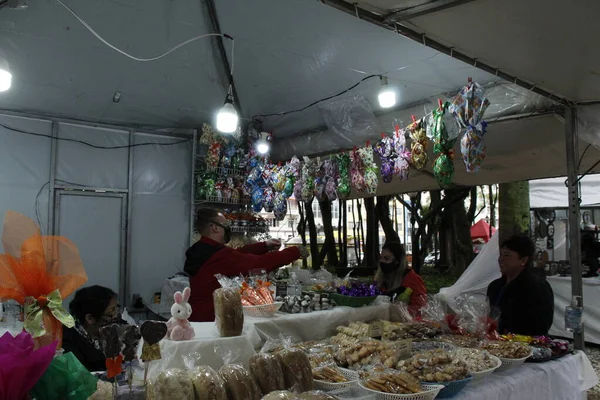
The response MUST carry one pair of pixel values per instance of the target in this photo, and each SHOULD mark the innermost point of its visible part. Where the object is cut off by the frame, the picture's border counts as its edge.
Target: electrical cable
(318, 101)
(95, 146)
(97, 35)
(180, 45)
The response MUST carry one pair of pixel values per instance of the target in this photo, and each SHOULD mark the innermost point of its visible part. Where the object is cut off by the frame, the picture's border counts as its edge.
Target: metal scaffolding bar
(424, 9)
(572, 142)
(425, 40)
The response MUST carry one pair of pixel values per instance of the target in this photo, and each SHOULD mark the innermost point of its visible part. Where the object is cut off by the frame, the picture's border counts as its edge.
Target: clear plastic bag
(281, 395)
(267, 372)
(229, 314)
(208, 385)
(173, 384)
(237, 380)
(297, 371)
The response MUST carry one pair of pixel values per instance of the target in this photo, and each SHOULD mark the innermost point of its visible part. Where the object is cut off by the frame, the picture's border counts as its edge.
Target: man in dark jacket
(209, 256)
(523, 297)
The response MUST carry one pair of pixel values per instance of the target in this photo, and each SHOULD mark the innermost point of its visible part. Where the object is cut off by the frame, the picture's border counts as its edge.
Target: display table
(302, 327)
(591, 314)
(564, 379)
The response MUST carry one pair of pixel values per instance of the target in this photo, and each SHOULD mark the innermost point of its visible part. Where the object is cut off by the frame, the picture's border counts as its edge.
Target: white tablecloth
(591, 313)
(564, 379)
(302, 327)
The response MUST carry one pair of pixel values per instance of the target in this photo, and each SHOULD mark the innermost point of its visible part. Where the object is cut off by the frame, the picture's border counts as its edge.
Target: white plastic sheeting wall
(159, 220)
(24, 167)
(160, 212)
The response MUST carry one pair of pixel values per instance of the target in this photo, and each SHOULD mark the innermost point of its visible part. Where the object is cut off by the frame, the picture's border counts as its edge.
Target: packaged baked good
(238, 382)
(316, 395)
(367, 352)
(208, 385)
(476, 360)
(328, 373)
(229, 314)
(435, 366)
(296, 370)
(512, 350)
(267, 372)
(281, 395)
(394, 382)
(173, 384)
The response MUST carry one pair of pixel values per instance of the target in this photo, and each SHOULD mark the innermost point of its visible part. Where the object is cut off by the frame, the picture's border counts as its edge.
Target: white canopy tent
(289, 54)
(553, 192)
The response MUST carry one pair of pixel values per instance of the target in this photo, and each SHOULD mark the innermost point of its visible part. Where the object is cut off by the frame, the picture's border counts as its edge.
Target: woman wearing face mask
(396, 279)
(93, 307)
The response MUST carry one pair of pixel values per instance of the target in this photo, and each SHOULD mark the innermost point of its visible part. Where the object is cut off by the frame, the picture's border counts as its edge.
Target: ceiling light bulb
(5, 76)
(387, 97)
(262, 146)
(227, 118)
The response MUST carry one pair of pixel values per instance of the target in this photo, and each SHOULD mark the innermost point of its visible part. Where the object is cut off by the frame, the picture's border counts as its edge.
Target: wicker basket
(430, 392)
(350, 301)
(450, 388)
(262, 311)
(512, 363)
(478, 376)
(352, 377)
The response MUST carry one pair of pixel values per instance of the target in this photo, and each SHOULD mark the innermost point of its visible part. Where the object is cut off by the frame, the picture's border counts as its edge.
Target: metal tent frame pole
(572, 139)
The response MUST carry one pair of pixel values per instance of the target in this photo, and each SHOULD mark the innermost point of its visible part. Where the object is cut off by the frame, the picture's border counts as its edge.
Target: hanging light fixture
(5, 75)
(262, 146)
(387, 97)
(227, 118)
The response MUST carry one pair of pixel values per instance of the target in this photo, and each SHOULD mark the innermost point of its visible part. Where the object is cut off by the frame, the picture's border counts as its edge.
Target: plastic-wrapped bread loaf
(297, 372)
(239, 384)
(281, 395)
(229, 315)
(267, 372)
(207, 384)
(316, 396)
(173, 384)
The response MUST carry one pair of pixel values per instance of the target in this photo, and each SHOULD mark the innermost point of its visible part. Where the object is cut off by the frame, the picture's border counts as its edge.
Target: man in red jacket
(210, 256)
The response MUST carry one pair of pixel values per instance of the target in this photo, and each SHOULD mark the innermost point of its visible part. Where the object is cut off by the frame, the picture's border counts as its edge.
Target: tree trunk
(372, 239)
(329, 248)
(514, 209)
(312, 230)
(492, 206)
(462, 253)
(383, 214)
(472, 213)
(302, 231)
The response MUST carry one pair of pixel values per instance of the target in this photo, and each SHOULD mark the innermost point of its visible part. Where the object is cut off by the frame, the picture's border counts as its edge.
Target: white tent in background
(553, 193)
(476, 278)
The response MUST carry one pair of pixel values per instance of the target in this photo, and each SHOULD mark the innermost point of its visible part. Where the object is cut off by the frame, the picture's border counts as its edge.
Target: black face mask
(227, 229)
(386, 268)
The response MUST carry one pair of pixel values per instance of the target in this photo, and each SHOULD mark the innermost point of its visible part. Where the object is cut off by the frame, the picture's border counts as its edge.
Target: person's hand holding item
(273, 244)
(304, 253)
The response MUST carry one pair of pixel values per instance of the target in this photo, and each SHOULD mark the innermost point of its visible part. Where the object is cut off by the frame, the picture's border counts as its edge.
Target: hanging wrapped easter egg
(344, 186)
(269, 199)
(280, 207)
(257, 199)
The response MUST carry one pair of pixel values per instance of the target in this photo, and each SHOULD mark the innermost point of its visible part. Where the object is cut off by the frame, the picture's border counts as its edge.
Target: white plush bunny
(179, 328)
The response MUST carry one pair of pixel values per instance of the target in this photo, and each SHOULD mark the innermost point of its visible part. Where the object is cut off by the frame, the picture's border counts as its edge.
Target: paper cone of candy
(38, 272)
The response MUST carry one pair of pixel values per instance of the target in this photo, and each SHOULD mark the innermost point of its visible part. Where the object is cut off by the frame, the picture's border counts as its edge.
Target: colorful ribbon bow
(34, 311)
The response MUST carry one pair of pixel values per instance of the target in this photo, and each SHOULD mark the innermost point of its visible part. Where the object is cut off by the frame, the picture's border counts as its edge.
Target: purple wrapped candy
(359, 290)
(257, 199)
(298, 189)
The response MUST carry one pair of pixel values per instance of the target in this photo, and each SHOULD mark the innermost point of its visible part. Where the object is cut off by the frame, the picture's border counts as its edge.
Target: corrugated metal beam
(425, 40)
(423, 9)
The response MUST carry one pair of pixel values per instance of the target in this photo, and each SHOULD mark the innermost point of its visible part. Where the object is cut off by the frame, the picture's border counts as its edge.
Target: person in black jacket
(524, 298)
(92, 308)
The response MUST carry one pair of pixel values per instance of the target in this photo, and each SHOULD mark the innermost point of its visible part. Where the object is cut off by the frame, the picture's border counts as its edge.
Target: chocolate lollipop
(152, 333)
(112, 346)
(130, 338)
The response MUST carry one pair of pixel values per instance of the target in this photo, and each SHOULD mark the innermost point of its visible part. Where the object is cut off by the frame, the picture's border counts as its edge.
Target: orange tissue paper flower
(38, 272)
